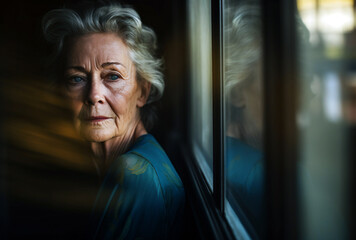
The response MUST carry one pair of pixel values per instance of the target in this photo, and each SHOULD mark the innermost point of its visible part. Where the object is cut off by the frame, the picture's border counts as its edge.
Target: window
(279, 108)
(226, 108)
(243, 116)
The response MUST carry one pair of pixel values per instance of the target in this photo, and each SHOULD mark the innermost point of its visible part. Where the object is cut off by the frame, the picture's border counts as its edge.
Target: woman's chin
(96, 135)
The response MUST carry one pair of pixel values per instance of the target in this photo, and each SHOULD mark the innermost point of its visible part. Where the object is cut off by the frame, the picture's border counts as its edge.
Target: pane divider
(219, 191)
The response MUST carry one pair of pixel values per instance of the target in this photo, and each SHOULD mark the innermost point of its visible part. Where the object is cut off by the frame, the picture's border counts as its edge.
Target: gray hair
(61, 24)
(243, 55)
(243, 47)
(244, 42)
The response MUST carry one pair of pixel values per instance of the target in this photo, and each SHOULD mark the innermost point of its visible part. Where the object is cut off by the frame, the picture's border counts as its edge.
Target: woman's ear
(145, 92)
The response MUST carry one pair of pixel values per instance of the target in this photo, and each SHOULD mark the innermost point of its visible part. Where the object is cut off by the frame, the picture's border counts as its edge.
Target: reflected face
(253, 113)
(253, 95)
(248, 125)
(101, 86)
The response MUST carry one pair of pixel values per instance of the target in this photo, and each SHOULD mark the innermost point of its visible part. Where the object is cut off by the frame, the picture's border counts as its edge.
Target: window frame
(280, 138)
(280, 105)
(242, 228)
(219, 180)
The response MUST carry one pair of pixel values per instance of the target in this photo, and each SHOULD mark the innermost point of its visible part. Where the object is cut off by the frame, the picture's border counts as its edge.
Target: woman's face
(101, 86)
(253, 110)
(248, 125)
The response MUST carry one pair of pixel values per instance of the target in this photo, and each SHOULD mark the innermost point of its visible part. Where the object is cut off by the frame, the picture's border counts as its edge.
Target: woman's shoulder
(148, 151)
(147, 175)
(147, 160)
(137, 197)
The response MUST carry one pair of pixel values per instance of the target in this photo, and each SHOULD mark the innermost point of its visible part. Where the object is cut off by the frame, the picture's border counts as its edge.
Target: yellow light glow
(327, 16)
(310, 4)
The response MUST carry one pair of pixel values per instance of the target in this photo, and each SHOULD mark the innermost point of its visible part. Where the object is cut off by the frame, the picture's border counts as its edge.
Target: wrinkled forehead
(97, 48)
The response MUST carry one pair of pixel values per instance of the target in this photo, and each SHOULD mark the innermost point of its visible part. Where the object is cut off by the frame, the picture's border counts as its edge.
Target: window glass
(201, 81)
(327, 59)
(243, 112)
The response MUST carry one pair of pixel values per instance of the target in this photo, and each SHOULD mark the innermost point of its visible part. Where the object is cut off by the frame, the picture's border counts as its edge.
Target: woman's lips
(96, 119)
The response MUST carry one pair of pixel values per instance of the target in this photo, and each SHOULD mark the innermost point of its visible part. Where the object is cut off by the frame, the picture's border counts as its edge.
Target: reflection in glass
(244, 112)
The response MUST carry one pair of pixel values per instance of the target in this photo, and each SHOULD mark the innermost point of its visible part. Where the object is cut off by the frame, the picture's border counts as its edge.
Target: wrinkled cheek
(132, 112)
(123, 104)
(124, 118)
(122, 121)
(118, 123)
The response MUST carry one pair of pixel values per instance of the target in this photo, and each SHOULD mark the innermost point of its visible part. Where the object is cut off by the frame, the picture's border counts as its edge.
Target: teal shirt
(245, 179)
(142, 196)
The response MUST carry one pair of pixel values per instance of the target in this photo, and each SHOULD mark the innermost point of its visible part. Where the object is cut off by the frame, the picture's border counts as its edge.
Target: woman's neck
(105, 152)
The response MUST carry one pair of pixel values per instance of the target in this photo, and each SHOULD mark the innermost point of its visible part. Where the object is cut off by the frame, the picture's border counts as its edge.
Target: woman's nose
(95, 93)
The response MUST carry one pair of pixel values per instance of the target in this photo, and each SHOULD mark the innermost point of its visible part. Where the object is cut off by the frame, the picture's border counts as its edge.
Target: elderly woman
(244, 130)
(243, 83)
(107, 69)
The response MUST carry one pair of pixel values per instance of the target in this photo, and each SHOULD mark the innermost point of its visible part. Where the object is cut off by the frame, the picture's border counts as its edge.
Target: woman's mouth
(95, 119)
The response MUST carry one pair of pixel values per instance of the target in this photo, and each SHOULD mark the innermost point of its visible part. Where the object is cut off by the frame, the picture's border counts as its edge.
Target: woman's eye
(113, 77)
(76, 79)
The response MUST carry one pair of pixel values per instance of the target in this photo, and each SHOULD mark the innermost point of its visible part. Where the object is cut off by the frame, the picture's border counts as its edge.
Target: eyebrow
(79, 68)
(111, 63)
